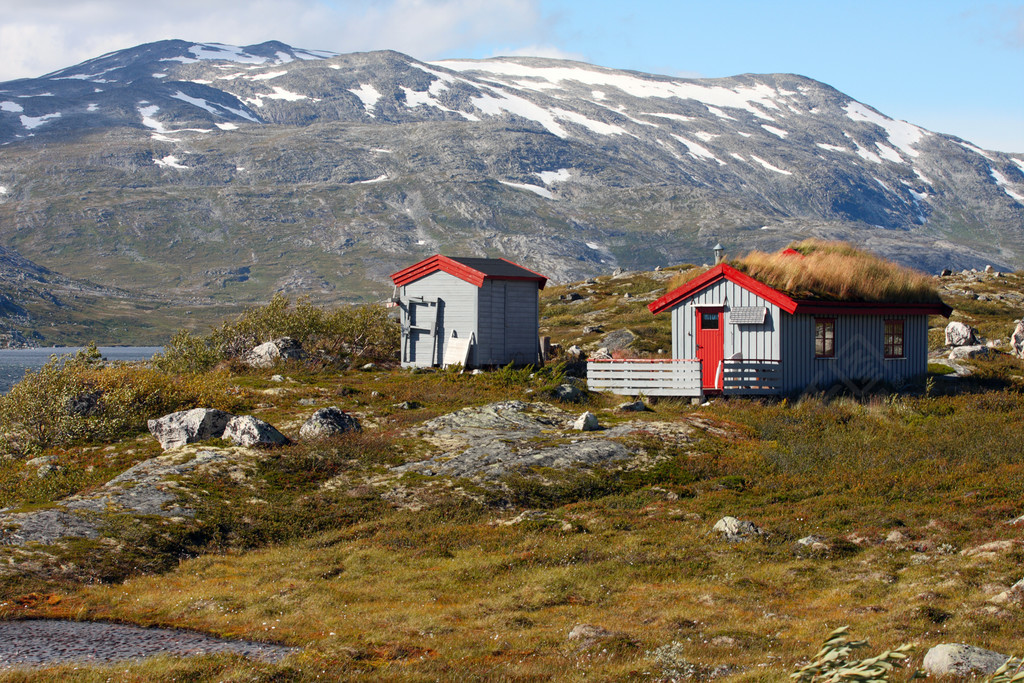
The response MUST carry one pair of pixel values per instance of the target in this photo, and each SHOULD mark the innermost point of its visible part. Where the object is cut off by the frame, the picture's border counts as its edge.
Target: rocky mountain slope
(229, 173)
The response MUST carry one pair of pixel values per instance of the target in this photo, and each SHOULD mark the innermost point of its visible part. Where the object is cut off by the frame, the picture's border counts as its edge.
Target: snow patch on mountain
(226, 125)
(424, 98)
(195, 101)
(92, 107)
(230, 53)
(170, 161)
(901, 134)
(267, 76)
(831, 148)
(367, 94)
(279, 93)
(562, 175)
(542, 191)
(1019, 163)
(741, 97)
(30, 122)
(12, 107)
(598, 127)
(769, 166)
(518, 106)
(1002, 182)
(975, 149)
(378, 179)
(696, 150)
(674, 117)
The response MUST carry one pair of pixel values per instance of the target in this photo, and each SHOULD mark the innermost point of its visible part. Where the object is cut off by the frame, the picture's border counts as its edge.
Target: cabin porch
(685, 377)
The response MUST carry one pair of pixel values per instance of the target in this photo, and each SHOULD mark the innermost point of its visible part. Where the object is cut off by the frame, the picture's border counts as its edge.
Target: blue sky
(951, 66)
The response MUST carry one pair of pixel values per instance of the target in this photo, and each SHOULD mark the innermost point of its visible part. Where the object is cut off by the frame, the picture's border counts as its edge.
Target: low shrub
(80, 399)
(364, 332)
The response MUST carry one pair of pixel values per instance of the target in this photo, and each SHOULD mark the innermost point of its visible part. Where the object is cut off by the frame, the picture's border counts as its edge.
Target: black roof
(497, 268)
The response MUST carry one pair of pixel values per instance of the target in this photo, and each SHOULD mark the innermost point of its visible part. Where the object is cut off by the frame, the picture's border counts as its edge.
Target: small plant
(1010, 672)
(833, 664)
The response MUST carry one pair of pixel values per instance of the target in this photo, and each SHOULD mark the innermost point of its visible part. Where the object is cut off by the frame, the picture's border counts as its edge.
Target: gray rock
(328, 422)
(269, 354)
(46, 527)
(966, 352)
(989, 269)
(44, 465)
(592, 329)
(1017, 340)
(276, 378)
(246, 430)
(368, 367)
(619, 340)
(735, 530)
(567, 392)
(492, 441)
(407, 405)
(958, 659)
(587, 422)
(188, 426)
(1015, 594)
(959, 334)
(637, 406)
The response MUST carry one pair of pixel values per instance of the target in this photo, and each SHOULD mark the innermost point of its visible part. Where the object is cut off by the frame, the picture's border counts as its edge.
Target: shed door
(710, 345)
(422, 339)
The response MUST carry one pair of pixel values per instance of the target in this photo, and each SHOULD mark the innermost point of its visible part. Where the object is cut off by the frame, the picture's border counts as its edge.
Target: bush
(365, 332)
(79, 398)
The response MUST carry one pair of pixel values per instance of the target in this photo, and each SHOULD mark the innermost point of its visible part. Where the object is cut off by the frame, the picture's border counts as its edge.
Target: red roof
(472, 270)
(726, 272)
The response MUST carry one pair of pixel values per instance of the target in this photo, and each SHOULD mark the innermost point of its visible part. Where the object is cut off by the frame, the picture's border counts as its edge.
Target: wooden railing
(650, 377)
(748, 377)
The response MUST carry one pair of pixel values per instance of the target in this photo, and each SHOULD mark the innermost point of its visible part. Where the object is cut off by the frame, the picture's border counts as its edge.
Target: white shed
(474, 311)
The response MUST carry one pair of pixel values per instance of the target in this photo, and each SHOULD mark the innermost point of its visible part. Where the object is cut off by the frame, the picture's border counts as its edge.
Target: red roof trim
(871, 308)
(437, 262)
(722, 271)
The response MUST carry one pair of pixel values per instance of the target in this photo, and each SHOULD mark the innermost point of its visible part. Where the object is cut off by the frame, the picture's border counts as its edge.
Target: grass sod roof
(818, 270)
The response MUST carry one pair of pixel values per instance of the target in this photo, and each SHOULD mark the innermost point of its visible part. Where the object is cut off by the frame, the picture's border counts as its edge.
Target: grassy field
(419, 578)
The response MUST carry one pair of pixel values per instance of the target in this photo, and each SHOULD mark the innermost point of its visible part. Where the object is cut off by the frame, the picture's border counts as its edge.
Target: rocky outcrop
(490, 442)
(188, 426)
(960, 334)
(956, 659)
(968, 352)
(736, 530)
(269, 354)
(1017, 340)
(328, 422)
(246, 430)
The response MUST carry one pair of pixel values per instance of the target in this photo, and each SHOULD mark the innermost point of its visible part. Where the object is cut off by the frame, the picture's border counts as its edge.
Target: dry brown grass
(838, 271)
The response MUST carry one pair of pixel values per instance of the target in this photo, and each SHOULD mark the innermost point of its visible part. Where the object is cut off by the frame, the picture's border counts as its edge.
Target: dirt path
(36, 642)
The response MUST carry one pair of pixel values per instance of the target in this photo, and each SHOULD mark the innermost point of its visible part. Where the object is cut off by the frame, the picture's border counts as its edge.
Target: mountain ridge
(321, 173)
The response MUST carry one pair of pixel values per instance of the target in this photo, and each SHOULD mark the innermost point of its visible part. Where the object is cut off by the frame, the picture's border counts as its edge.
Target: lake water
(14, 362)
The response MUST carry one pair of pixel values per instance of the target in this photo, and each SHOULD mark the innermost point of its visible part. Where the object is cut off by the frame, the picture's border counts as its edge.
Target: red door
(711, 346)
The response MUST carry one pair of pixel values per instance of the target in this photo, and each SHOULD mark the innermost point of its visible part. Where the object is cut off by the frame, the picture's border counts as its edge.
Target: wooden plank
(456, 351)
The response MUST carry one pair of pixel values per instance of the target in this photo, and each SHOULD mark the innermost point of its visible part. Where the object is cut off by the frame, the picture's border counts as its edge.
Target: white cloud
(548, 51)
(46, 35)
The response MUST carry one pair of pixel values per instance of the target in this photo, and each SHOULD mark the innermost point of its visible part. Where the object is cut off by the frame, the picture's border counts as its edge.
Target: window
(824, 338)
(894, 339)
(709, 321)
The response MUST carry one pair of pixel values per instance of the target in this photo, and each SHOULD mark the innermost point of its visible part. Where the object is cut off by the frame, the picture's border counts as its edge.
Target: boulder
(587, 422)
(637, 406)
(1015, 594)
(959, 334)
(328, 422)
(619, 340)
(567, 392)
(946, 272)
(966, 352)
(1017, 340)
(735, 530)
(246, 430)
(957, 659)
(188, 426)
(268, 355)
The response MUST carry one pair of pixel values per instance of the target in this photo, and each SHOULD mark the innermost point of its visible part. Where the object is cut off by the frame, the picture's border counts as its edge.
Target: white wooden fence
(661, 377)
(650, 377)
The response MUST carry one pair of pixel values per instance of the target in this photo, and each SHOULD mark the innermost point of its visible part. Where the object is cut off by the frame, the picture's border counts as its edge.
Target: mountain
(224, 173)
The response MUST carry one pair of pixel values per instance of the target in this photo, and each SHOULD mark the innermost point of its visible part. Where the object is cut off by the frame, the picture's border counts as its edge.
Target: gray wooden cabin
(447, 302)
(732, 334)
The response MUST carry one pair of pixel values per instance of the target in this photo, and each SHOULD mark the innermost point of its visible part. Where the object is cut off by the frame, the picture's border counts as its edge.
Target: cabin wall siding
(503, 315)
(751, 342)
(859, 361)
(458, 302)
